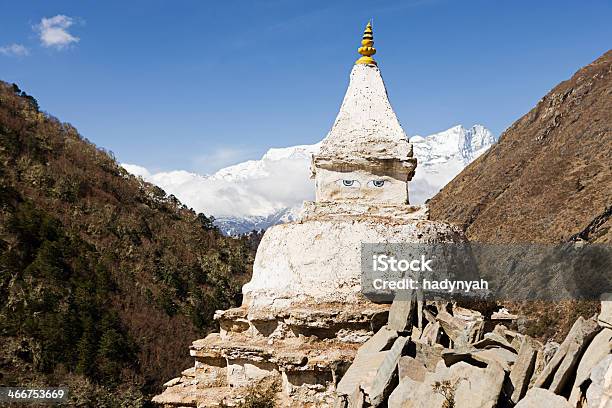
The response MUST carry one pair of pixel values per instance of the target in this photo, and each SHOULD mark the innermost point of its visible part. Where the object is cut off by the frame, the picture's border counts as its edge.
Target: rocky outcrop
(496, 369)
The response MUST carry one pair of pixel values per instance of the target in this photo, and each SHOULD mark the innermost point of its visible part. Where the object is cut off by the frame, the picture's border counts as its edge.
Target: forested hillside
(104, 279)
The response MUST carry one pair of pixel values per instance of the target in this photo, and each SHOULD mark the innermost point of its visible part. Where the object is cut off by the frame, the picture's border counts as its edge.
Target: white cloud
(251, 188)
(280, 179)
(16, 50)
(53, 31)
(137, 170)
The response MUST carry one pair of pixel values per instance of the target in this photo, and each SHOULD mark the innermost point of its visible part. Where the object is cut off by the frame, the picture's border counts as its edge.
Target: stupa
(303, 315)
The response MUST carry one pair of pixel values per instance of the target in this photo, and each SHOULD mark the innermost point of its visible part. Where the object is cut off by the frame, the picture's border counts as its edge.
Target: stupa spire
(367, 47)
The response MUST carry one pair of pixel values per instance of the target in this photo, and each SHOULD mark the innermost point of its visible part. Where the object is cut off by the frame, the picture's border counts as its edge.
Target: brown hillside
(549, 178)
(104, 279)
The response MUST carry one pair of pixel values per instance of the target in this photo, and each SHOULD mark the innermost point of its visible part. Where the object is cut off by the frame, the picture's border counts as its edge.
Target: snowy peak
(257, 194)
(456, 143)
(256, 169)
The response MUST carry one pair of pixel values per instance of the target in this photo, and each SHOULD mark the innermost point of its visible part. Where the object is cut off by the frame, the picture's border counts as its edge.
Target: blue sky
(198, 85)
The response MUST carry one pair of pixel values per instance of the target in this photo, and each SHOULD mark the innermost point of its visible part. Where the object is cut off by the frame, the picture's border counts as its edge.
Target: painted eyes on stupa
(376, 183)
(349, 183)
(356, 183)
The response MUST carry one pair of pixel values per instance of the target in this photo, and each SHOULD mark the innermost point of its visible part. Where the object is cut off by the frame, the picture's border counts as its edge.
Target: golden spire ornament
(367, 47)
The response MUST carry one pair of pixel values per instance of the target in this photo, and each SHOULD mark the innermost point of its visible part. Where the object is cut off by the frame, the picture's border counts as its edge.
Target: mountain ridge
(274, 187)
(549, 176)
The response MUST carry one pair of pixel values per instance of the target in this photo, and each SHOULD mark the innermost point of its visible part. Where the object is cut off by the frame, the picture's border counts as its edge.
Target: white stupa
(361, 176)
(303, 315)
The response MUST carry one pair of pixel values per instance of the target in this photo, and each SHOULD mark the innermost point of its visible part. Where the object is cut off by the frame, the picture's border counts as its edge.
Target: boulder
(523, 368)
(401, 311)
(505, 358)
(451, 357)
(605, 317)
(356, 400)
(466, 314)
(599, 393)
(481, 358)
(503, 331)
(361, 373)
(462, 385)
(549, 350)
(503, 314)
(408, 367)
(560, 368)
(599, 348)
(456, 329)
(385, 374)
(494, 340)
(476, 331)
(541, 398)
(431, 333)
(402, 393)
(429, 355)
(381, 341)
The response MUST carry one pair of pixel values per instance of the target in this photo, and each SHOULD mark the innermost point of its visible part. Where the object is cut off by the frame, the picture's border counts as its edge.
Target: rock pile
(443, 355)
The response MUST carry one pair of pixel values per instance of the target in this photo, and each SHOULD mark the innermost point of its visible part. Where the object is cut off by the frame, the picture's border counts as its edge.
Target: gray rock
(456, 329)
(599, 348)
(401, 311)
(451, 357)
(381, 386)
(506, 333)
(466, 385)
(420, 303)
(428, 316)
(402, 393)
(541, 398)
(431, 333)
(480, 358)
(361, 373)
(494, 340)
(382, 340)
(476, 331)
(560, 368)
(357, 399)
(599, 393)
(505, 358)
(605, 317)
(466, 314)
(429, 355)
(408, 367)
(523, 368)
(549, 351)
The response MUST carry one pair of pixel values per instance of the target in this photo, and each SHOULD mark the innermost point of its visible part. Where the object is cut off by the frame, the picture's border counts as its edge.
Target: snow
(443, 155)
(256, 194)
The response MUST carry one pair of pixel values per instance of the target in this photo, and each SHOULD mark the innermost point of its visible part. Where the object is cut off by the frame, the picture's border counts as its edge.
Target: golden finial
(367, 47)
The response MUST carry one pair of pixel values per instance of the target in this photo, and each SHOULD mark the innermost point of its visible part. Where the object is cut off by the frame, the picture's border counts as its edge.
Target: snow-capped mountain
(441, 156)
(241, 225)
(256, 194)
